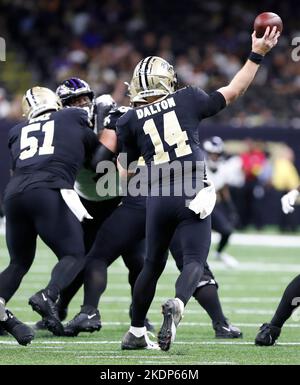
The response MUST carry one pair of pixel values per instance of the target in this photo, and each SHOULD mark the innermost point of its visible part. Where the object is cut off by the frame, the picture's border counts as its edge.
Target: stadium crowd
(102, 41)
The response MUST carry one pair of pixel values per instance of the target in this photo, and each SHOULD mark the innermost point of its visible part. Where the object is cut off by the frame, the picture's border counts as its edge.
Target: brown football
(266, 19)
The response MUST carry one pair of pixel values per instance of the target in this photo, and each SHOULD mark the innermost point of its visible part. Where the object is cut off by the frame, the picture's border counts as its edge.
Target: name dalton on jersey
(155, 108)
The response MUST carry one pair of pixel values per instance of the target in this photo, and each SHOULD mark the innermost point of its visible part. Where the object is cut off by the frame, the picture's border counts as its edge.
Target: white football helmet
(38, 100)
(153, 76)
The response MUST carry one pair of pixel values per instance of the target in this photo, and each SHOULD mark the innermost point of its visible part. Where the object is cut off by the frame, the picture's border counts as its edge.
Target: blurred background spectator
(101, 41)
(285, 178)
(207, 41)
(252, 192)
(261, 173)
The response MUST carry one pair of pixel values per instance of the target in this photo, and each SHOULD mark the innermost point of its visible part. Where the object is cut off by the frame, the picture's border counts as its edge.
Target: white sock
(138, 332)
(181, 305)
(3, 315)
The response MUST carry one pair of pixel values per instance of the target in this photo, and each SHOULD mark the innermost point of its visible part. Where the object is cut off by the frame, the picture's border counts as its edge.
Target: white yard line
(127, 299)
(188, 324)
(253, 239)
(198, 311)
(217, 343)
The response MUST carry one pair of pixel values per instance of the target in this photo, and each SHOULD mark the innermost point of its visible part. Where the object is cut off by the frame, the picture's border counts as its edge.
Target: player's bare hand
(264, 44)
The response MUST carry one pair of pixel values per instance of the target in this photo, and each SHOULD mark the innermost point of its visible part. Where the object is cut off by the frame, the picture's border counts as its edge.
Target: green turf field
(249, 295)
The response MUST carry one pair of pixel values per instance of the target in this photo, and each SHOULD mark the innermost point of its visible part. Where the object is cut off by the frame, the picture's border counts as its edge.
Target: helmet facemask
(72, 93)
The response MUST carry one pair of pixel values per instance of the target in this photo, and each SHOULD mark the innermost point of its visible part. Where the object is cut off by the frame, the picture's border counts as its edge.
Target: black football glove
(103, 105)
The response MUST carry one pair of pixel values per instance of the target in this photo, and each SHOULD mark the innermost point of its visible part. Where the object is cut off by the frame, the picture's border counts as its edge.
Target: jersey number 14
(30, 144)
(173, 135)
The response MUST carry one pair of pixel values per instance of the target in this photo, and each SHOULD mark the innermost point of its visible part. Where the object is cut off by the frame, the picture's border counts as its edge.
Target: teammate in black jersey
(123, 233)
(119, 233)
(47, 151)
(163, 128)
(75, 92)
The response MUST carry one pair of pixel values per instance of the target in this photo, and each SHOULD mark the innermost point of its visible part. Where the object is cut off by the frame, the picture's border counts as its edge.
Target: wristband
(255, 57)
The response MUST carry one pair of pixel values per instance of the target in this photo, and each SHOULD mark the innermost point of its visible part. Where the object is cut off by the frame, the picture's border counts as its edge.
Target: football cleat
(20, 331)
(131, 342)
(2, 331)
(43, 304)
(40, 325)
(172, 317)
(225, 330)
(267, 335)
(83, 322)
(62, 312)
(227, 259)
(62, 315)
(149, 326)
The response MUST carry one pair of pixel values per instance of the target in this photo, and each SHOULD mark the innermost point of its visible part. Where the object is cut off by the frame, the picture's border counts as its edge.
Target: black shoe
(2, 331)
(40, 325)
(149, 326)
(22, 333)
(131, 342)
(172, 316)
(43, 304)
(225, 330)
(83, 322)
(62, 312)
(267, 335)
(62, 315)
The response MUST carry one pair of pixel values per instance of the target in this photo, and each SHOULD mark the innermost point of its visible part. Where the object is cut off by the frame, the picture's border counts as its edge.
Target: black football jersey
(168, 130)
(48, 151)
(113, 116)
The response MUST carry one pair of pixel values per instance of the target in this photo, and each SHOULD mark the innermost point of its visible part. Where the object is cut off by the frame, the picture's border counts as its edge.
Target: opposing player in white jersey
(224, 214)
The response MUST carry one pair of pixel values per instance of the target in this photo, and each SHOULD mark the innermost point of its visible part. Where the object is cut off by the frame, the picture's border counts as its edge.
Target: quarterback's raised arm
(242, 80)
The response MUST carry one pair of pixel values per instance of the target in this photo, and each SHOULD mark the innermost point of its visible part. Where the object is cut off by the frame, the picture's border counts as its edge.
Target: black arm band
(255, 57)
(100, 154)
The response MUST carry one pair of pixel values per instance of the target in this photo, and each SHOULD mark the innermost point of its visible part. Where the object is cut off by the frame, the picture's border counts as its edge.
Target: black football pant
(222, 225)
(165, 215)
(206, 292)
(122, 233)
(41, 212)
(289, 302)
(99, 211)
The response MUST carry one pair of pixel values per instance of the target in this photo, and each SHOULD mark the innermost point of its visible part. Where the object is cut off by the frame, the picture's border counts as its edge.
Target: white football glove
(204, 202)
(288, 201)
(105, 100)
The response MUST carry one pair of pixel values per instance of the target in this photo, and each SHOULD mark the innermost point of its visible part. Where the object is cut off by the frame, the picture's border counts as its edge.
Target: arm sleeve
(208, 104)
(127, 146)
(11, 139)
(100, 154)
